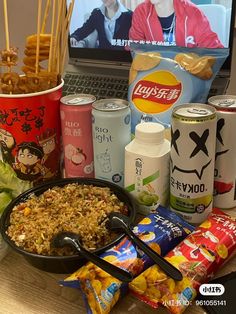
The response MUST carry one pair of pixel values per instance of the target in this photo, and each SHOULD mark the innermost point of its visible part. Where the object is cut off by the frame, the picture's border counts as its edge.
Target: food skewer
(8, 84)
(52, 37)
(58, 35)
(38, 36)
(33, 78)
(64, 34)
(6, 31)
(45, 16)
(6, 24)
(48, 77)
(40, 47)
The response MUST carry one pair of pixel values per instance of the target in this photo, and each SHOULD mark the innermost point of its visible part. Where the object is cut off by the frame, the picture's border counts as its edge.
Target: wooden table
(27, 290)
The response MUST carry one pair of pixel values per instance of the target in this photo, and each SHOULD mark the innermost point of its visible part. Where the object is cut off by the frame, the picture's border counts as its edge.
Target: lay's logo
(156, 92)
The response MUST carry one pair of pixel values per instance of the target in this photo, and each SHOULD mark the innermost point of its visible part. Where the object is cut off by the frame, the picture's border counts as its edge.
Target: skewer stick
(63, 14)
(45, 16)
(7, 35)
(38, 36)
(6, 24)
(67, 24)
(58, 34)
(52, 37)
(63, 30)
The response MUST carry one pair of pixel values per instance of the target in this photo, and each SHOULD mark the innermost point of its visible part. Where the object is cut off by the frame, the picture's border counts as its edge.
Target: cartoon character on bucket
(47, 140)
(28, 164)
(7, 144)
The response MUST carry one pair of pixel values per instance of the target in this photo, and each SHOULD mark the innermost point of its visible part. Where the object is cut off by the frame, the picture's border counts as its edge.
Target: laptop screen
(104, 29)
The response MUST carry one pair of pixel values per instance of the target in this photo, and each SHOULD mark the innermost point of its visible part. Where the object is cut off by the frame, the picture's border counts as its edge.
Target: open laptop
(104, 72)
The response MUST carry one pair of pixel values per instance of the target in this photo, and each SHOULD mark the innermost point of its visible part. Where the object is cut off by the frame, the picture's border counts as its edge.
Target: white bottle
(147, 160)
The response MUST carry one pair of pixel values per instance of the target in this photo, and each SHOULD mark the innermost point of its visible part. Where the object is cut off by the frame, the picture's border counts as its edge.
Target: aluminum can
(111, 133)
(225, 157)
(76, 124)
(193, 138)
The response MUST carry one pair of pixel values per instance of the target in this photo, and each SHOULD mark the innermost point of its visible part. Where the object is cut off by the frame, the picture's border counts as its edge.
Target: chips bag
(198, 258)
(162, 77)
(161, 230)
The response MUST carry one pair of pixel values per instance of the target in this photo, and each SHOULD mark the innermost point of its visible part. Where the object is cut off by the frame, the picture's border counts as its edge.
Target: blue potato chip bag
(161, 230)
(163, 77)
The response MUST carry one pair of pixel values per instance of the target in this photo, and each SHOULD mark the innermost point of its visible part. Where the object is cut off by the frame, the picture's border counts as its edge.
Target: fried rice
(78, 208)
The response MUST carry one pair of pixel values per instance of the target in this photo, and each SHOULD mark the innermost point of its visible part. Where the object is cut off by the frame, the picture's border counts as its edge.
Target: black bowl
(63, 264)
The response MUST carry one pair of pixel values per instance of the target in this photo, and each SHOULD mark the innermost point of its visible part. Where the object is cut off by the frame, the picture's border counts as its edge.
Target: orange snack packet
(198, 257)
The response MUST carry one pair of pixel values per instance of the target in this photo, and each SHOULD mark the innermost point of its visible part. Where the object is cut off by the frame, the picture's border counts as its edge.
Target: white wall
(226, 3)
(22, 16)
(81, 9)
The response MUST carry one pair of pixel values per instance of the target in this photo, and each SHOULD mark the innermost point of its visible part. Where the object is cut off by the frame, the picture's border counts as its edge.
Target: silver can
(193, 134)
(225, 157)
(111, 128)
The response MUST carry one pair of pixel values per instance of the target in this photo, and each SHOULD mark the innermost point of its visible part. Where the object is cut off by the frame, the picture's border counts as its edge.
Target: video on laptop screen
(112, 25)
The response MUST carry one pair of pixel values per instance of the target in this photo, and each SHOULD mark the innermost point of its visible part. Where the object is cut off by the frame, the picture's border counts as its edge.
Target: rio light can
(111, 133)
(225, 158)
(193, 138)
(76, 125)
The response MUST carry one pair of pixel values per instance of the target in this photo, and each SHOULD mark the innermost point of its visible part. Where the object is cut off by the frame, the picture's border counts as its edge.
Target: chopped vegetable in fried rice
(78, 208)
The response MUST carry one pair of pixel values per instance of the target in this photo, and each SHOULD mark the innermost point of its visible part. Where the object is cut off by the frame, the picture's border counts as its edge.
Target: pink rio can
(76, 126)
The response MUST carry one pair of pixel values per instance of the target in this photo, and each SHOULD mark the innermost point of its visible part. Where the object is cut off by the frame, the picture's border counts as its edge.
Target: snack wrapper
(163, 77)
(161, 230)
(198, 258)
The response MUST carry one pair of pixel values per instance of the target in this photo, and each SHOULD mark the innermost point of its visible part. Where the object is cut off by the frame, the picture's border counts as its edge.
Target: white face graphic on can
(191, 145)
(190, 153)
(221, 147)
(225, 167)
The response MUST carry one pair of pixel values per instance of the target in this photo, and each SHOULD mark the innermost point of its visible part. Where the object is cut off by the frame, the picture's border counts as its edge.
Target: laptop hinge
(100, 64)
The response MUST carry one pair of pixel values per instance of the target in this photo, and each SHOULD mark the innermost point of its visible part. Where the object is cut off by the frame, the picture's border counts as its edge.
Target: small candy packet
(198, 257)
(161, 230)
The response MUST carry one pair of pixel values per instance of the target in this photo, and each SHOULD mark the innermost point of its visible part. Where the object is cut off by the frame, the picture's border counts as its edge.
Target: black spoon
(119, 221)
(72, 239)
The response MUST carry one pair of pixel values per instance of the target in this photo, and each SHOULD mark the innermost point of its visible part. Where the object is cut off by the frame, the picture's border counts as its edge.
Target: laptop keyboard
(99, 86)
(114, 87)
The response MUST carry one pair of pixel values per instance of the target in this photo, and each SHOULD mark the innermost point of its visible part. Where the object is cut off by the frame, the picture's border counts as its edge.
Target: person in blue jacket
(112, 22)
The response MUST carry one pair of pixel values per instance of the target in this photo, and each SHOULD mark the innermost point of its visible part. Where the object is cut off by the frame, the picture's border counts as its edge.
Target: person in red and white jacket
(172, 22)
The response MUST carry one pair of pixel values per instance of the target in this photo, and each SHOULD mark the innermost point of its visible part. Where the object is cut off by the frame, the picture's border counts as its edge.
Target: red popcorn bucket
(30, 134)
